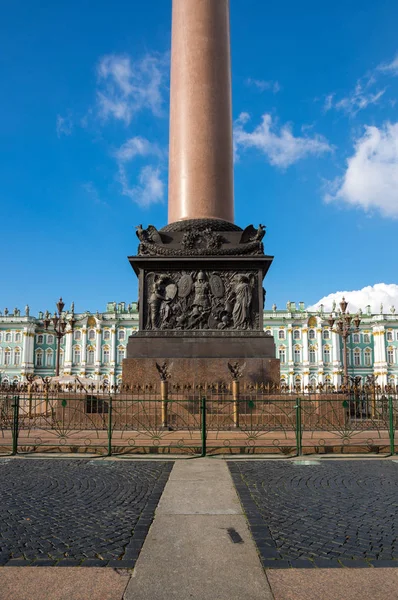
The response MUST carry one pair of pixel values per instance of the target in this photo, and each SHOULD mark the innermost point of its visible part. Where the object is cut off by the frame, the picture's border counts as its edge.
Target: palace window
(311, 334)
(281, 334)
(91, 334)
(50, 339)
(77, 356)
(106, 356)
(122, 334)
(366, 338)
(282, 355)
(120, 355)
(90, 357)
(18, 337)
(312, 355)
(7, 357)
(326, 354)
(39, 358)
(296, 334)
(8, 337)
(17, 357)
(297, 354)
(61, 358)
(357, 357)
(326, 334)
(368, 357)
(40, 339)
(107, 334)
(389, 336)
(390, 356)
(355, 338)
(49, 359)
(77, 335)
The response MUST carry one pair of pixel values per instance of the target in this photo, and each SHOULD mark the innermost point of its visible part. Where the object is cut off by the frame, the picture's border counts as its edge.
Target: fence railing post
(235, 396)
(391, 425)
(204, 432)
(15, 425)
(164, 392)
(110, 426)
(299, 435)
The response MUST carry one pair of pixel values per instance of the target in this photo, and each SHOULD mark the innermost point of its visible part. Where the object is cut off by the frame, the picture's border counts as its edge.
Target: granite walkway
(198, 547)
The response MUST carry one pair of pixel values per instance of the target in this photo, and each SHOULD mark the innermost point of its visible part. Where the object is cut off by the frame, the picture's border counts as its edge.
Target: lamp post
(344, 329)
(60, 324)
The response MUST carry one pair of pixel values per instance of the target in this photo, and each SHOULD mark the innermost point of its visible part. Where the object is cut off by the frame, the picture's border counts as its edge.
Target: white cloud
(150, 188)
(359, 99)
(64, 125)
(389, 68)
(371, 178)
(279, 144)
(136, 146)
(263, 85)
(126, 87)
(385, 294)
(93, 193)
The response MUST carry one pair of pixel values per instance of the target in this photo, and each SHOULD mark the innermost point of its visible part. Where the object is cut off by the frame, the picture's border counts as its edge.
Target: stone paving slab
(77, 512)
(193, 549)
(70, 583)
(335, 514)
(326, 584)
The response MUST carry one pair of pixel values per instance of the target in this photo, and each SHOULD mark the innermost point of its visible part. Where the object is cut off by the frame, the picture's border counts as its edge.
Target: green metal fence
(198, 420)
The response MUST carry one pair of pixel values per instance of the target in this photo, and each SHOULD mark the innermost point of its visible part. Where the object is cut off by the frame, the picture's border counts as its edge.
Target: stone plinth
(190, 370)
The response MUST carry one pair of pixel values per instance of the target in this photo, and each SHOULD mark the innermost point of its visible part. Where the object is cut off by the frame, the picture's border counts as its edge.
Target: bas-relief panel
(183, 300)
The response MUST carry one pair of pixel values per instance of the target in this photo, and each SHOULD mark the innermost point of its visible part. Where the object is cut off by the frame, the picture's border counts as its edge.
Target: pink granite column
(201, 153)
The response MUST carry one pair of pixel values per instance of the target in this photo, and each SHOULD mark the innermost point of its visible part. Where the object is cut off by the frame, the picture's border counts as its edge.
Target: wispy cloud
(370, 180)
(126, 87)
(137, 146)
(64, 125)
(93, 193)
(150, 188)
(262, 85)
(390, 68)
(278, 143)
(358, 99)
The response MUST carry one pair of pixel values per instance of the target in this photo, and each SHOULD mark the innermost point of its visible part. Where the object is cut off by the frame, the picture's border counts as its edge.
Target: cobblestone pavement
(328, 514)
(77, 512)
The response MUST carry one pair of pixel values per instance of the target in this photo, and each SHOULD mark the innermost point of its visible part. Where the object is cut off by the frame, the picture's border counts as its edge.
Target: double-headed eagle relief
(201, 240)
(202, 300)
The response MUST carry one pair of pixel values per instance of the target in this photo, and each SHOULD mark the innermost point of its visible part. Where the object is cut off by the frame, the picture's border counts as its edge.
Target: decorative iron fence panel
(197, 420)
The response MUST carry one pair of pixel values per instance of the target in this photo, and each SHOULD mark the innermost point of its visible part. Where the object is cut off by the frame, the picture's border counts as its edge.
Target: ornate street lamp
(59, 323)
(345, 325)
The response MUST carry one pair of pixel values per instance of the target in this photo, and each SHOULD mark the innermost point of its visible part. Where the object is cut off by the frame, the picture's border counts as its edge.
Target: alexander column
(201, 276)
(201, 152)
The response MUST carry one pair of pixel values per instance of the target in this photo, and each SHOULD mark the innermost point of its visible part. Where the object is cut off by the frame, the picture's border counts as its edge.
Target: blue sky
(84, 129)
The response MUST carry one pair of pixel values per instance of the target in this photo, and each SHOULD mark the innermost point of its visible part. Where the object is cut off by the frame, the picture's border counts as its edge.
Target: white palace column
(112, 379)
(319, 353)
(306, 364)
(97, 353)
(289, 332)
(68, 352)
(382, 368)
(28, 338)
(84, 352)
(336, 358)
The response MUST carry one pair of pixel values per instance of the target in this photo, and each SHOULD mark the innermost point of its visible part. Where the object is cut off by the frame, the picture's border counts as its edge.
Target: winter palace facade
(309, 351)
